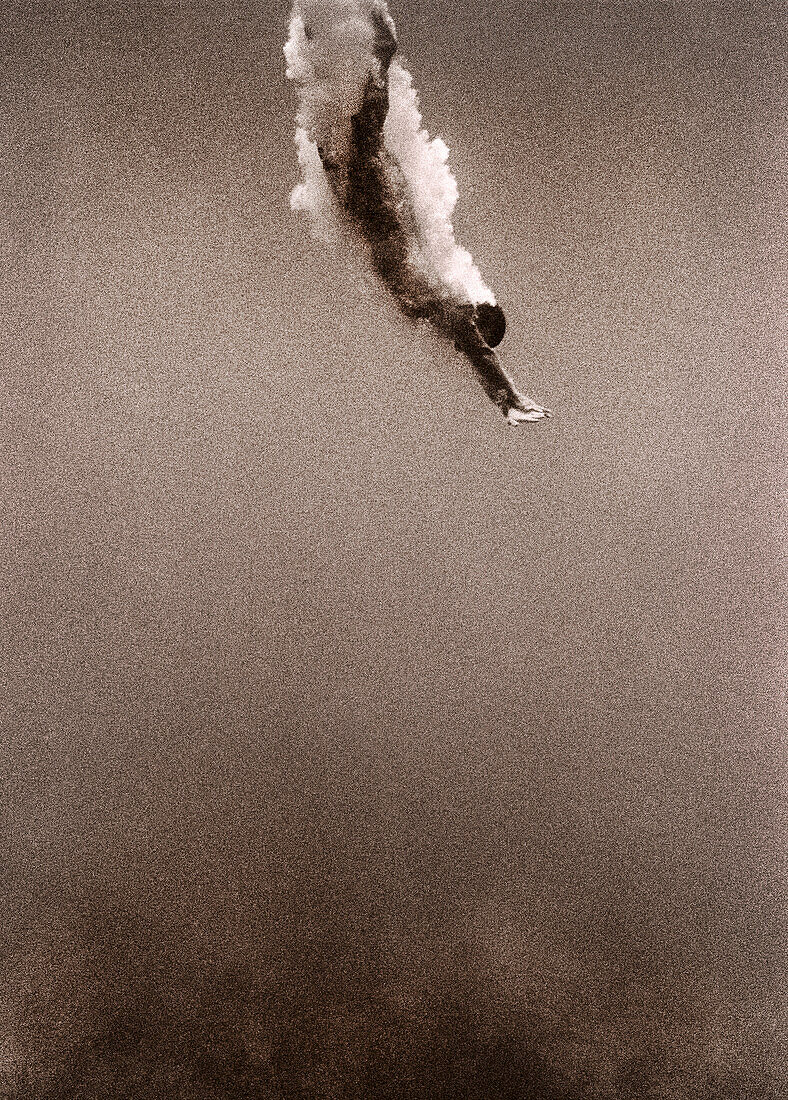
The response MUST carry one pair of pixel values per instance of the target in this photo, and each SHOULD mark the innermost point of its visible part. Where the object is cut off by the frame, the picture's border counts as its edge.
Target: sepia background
(358, 745)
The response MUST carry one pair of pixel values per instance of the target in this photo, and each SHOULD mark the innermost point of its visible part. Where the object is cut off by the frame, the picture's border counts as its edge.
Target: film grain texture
(357, 745)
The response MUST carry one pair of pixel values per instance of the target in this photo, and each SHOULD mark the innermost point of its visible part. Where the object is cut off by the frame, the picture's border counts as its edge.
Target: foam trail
(366, 160)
